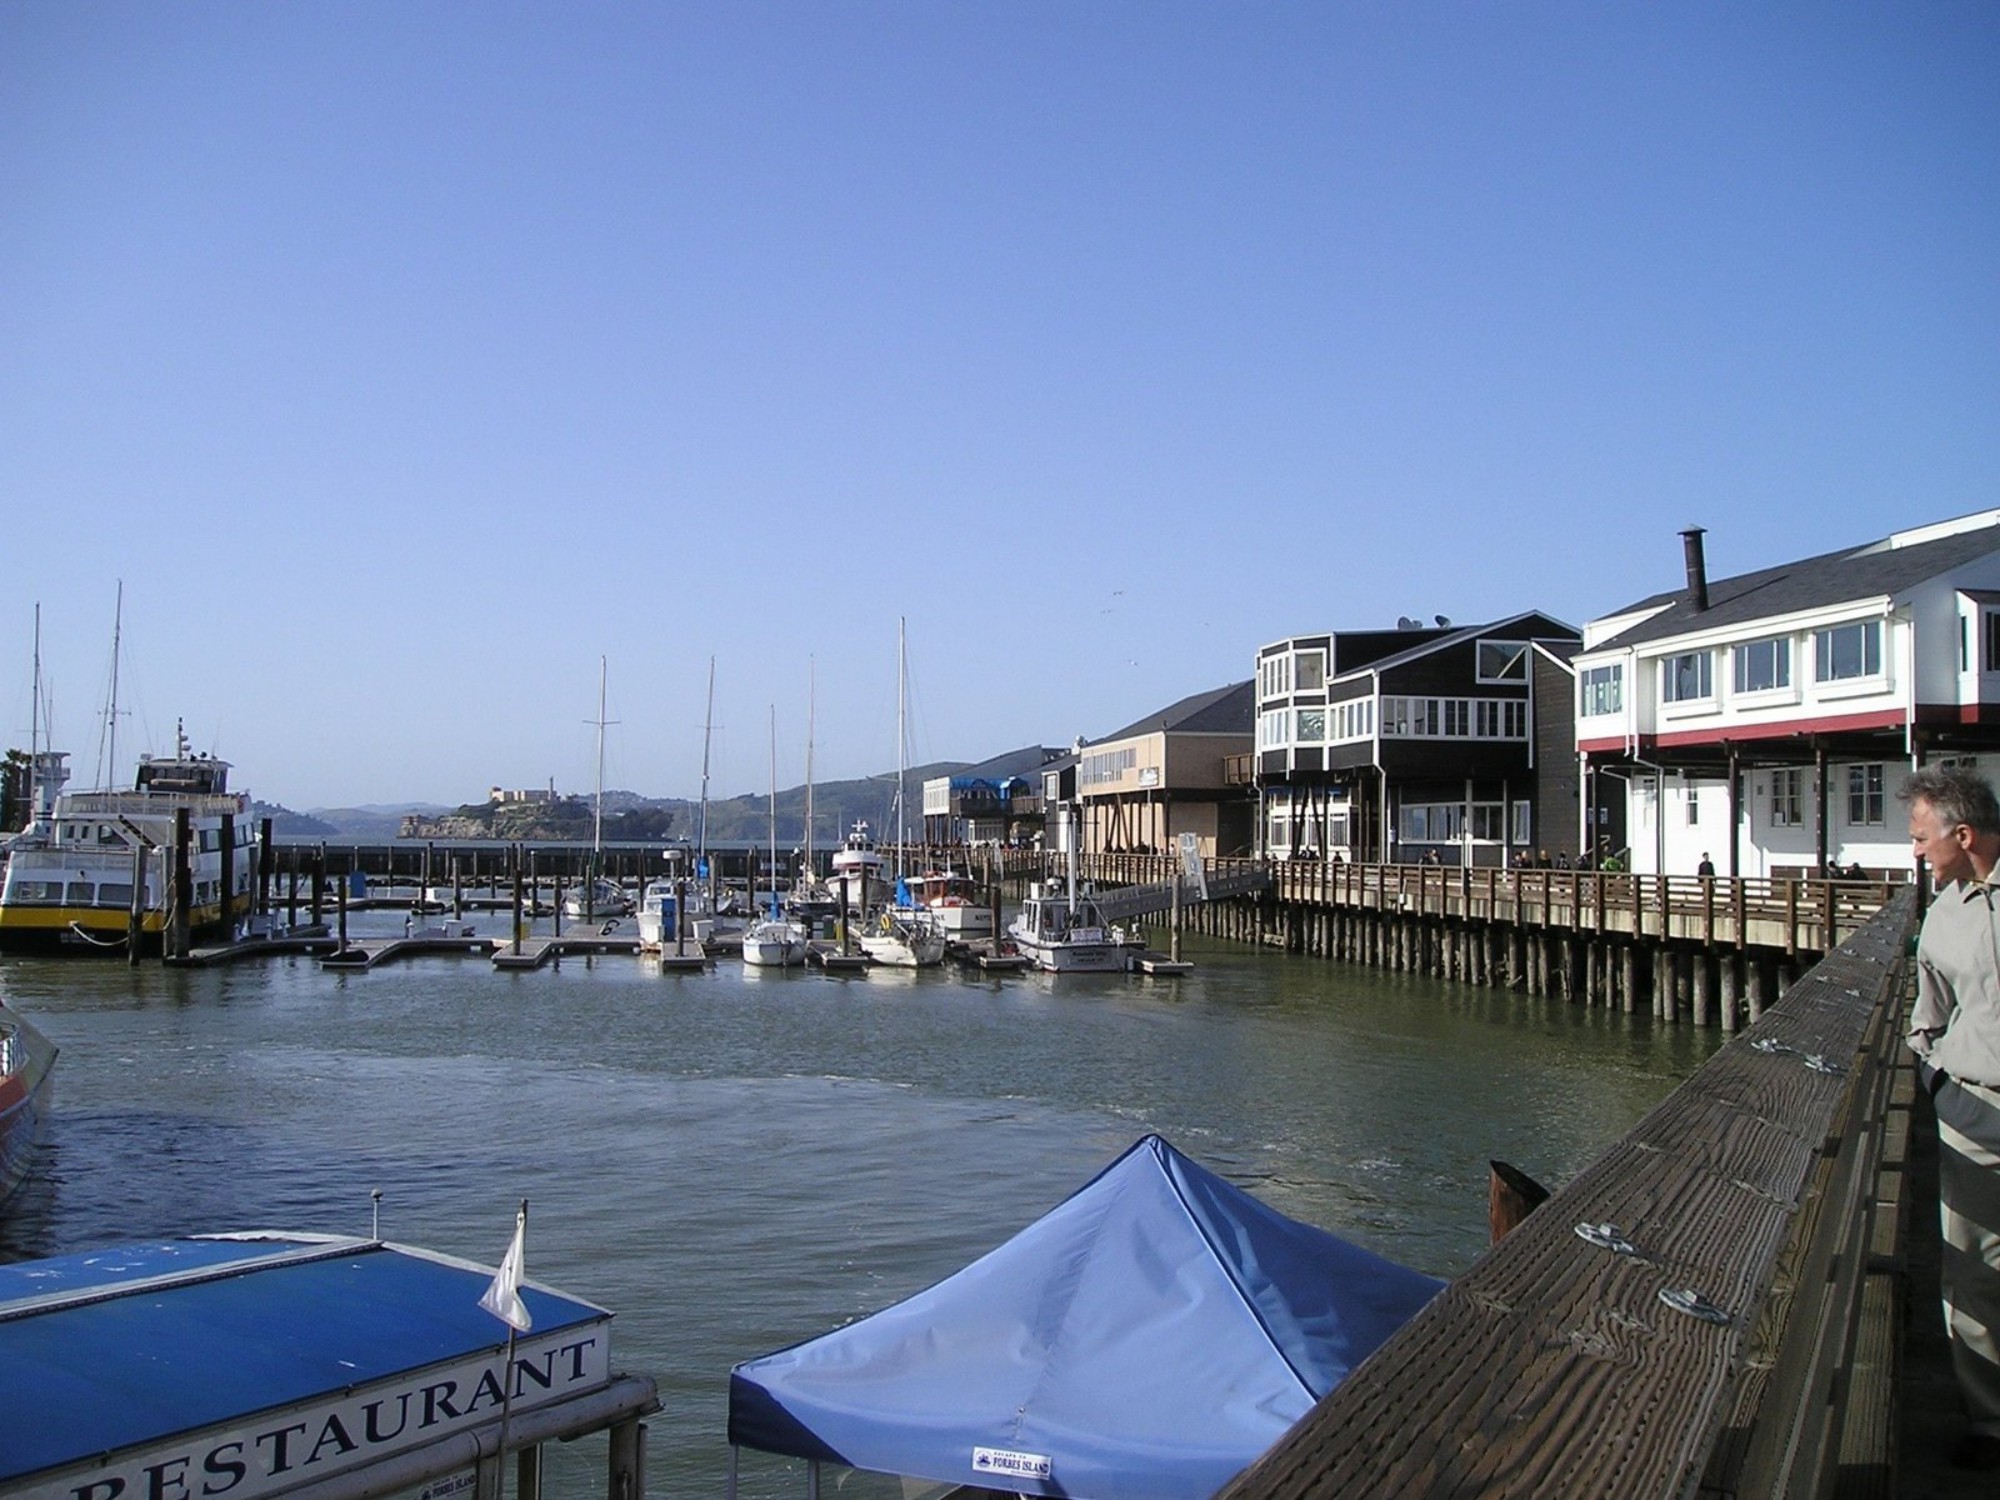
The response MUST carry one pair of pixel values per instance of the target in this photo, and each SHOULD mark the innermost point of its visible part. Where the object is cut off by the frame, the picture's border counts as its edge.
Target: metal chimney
(1697, 569)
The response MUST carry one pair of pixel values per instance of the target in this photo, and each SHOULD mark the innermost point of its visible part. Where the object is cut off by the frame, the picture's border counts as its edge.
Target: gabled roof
(1878, 569)
(1223, 710)
(1533, 618)
(1027, 761)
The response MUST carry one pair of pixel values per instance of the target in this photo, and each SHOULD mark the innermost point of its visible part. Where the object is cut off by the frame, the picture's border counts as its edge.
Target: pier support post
(1728, 985)
(627, 1478)
(1704, 995)
(1628, 978)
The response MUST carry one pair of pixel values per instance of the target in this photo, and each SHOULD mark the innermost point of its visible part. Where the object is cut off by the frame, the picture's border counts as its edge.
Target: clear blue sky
(404, 359)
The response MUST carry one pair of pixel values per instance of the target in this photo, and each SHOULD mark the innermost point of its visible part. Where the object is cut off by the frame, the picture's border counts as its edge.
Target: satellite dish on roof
(1443, 622)
(1404, 622)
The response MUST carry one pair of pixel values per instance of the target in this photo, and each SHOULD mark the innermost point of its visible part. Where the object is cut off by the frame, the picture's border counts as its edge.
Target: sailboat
(774, 941)
(598, 897)
(905, 935)
(812, 899)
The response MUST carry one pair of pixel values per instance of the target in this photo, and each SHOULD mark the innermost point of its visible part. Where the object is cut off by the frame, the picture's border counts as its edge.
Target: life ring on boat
(888, 923)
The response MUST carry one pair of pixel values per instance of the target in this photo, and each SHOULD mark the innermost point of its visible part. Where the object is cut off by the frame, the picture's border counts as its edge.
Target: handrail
(1686, 1315)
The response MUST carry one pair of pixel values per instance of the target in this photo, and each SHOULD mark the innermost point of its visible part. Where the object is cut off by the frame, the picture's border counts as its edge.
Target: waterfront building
(1400, 745)
(1767, 719)
(997, 801)
(1164, 775)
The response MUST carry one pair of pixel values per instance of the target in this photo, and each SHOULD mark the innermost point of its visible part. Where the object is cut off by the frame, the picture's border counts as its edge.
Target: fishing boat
(27, 1084)
(952, 899)
(90, 866)
(1062, 931)
(857, 869)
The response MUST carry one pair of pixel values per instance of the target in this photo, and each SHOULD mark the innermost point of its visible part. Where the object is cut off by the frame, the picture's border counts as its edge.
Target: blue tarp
(1145, 1340)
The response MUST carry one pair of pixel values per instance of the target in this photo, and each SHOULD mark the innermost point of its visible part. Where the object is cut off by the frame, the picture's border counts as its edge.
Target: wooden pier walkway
(1715, 1306)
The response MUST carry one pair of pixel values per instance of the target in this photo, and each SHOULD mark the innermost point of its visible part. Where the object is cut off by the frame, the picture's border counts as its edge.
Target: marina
(744, 1158)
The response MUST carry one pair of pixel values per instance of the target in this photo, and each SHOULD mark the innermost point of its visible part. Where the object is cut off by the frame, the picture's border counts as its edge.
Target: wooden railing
(1702, 1310)
(1791, 915)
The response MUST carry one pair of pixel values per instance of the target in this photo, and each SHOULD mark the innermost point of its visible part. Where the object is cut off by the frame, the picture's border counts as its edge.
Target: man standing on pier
(1955, 1029)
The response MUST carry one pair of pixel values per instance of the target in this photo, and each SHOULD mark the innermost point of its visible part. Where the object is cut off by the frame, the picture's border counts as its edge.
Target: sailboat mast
(111, 713)
(597, 831)
(707, 729)
(774, 812)
(812, 706)
(902, 692)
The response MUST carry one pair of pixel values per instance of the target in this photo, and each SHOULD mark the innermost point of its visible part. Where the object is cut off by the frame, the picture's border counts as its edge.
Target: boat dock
(374, 953)
(829, 957)
(585, 938)
(313, 939)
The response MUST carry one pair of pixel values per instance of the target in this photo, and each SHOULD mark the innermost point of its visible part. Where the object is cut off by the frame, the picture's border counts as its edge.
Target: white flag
(503, 1298)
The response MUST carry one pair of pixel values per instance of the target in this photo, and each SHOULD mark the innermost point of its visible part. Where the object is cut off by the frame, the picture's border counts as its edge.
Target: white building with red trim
(1767, 720)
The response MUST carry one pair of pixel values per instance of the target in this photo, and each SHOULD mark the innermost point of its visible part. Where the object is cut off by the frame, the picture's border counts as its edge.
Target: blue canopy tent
(1145, 1340)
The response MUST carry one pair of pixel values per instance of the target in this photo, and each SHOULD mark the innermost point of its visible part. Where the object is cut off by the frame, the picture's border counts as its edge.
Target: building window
(1486, 719)
(1523, 825)
(1763, 666)
(1785, 799)
(1271, 729)
(1312, 726)
(1516, 720)
(1503, 661)
(1430, 822)
(1864, 795)
(1311, 671)
(1602, 690)
(1488, 821)
(1104, 767)
(1457, 717)
(1990, 620)
(1687, 678)
(1842, 652)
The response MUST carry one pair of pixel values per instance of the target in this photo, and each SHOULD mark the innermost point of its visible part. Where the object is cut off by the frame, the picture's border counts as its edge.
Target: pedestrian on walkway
(1955, 1029)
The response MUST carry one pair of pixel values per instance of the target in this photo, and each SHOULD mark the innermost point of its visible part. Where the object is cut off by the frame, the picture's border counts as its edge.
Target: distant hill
(837, 806)
(286, 822)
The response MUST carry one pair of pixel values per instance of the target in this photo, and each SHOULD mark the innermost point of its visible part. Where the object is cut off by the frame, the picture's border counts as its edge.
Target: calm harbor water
(734, 1161)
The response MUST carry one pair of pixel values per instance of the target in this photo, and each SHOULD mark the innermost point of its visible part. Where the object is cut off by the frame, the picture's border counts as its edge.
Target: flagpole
(507, 1387)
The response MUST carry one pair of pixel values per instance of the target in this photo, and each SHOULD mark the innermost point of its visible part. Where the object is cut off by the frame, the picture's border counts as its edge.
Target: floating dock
(373, 953)
(828, 956)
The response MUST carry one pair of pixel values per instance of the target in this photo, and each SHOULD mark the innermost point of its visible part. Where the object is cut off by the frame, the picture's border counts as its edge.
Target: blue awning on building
(255, 1365)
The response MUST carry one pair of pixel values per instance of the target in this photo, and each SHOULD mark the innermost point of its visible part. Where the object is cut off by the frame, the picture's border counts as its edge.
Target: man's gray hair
(1957, 795)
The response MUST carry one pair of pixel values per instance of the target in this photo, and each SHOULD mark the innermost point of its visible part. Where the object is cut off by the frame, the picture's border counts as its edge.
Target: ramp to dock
(1123, 903)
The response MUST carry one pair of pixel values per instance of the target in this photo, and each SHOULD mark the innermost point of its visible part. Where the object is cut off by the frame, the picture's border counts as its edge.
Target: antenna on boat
(812, 705)
(110, 728)
(375, 1214)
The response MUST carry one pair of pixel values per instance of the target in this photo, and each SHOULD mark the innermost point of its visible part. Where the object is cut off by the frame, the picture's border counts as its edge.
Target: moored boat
(774, 943)
(1063, 932)
(857, 869)
(904, 937)
(88, 861)
(27, 1084)
(952, 899)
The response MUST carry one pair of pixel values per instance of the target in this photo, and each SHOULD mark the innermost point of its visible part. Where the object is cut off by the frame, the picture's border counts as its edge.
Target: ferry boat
(1063, 932)
(72, 872)
(27, 1082)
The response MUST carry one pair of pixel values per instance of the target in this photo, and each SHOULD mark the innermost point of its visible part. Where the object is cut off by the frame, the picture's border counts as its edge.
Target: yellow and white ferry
(75, 874)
